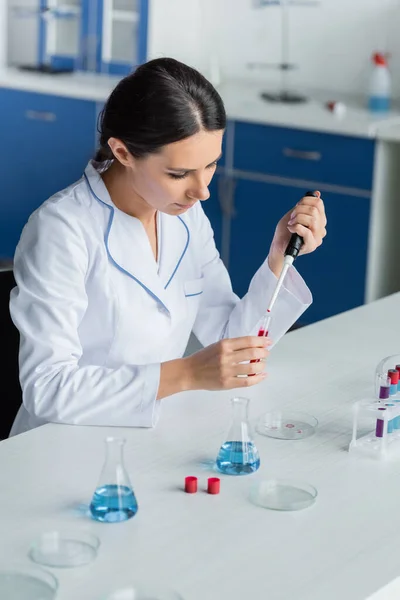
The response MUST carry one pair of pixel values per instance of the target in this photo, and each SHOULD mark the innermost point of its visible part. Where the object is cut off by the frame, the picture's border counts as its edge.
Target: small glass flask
(113, 500)
(239, 455)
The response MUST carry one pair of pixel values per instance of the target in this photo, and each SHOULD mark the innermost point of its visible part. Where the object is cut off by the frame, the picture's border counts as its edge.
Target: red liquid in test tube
(262, 332)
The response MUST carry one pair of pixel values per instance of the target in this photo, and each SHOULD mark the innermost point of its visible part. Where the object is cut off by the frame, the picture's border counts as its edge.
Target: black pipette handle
(296, 241)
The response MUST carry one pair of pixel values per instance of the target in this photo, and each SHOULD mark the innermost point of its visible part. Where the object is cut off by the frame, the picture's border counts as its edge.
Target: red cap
(379, 59)
(213, 485)
(397, 367)
(190, 485)
(393, 376)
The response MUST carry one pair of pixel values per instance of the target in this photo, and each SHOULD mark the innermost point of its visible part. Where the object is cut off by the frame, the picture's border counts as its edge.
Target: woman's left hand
(308, 219)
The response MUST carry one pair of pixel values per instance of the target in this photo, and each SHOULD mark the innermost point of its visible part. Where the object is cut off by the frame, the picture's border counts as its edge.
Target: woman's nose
(199, 193)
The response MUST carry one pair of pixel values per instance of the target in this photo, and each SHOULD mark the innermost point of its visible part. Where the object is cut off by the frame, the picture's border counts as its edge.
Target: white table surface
(344, 547)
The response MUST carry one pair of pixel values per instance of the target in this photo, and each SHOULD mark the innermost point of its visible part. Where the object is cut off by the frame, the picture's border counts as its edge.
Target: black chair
(11, 394)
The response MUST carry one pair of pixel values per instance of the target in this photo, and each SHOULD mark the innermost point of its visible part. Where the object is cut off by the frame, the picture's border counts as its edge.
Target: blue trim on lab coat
(182, 255)
(110, 221)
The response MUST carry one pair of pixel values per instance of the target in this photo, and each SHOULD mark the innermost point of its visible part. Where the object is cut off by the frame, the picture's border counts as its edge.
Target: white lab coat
(97, 314)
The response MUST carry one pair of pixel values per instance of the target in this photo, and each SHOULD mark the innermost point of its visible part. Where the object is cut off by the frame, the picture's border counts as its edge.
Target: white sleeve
(223, 314)
(47, 307)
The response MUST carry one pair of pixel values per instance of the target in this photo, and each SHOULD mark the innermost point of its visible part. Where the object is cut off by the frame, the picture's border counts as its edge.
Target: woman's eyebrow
(191, 170)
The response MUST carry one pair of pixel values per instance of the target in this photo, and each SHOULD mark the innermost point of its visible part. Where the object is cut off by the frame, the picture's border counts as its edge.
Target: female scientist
(114, 272)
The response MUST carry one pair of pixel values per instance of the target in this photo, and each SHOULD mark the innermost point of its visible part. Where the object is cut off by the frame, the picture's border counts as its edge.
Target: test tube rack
(382, 413)
(384, 440)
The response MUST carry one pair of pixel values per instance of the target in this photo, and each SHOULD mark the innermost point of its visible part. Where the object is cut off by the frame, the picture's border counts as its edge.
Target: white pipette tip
(288, 261)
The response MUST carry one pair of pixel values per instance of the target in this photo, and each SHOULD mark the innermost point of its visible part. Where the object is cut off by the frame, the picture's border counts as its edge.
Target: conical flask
(239, 455)
(114, 499)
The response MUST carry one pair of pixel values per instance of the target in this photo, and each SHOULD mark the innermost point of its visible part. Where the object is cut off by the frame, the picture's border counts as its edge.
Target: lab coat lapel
(129, 248)
(127, 243)
(174, 241)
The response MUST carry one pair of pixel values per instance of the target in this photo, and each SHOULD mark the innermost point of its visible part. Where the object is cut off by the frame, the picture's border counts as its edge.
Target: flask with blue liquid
(239, 455)
(114, 500)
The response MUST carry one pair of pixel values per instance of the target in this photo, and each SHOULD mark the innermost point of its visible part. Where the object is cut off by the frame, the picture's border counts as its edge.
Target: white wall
(331, 43)
(22, 32)
(176, 28)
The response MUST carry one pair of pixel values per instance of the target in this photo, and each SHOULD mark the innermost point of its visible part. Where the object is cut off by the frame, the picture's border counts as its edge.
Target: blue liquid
(379, 104)
(113, 503)
(238, 458)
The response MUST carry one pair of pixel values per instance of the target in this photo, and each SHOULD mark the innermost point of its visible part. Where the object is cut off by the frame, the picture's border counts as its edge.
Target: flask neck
(240, 409)
(114, 450)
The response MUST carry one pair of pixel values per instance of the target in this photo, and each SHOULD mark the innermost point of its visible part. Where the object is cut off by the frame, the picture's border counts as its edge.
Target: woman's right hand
(217, 367)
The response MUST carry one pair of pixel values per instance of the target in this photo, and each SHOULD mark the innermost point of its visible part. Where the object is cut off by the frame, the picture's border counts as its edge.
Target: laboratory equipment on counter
(25, 582)
(385, 377)
(286, 425)
(380, 85)
(238, 455)
(143, 592)
(383, 386)
(213, 486)
(114, 499)
(380, 417)
(64, 548)
(283, 494)
(285, 65)
(190, 484)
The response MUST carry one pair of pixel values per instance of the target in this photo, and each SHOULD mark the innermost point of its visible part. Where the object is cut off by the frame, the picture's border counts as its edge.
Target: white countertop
(242, 100)
(85, 86)
(219, 547)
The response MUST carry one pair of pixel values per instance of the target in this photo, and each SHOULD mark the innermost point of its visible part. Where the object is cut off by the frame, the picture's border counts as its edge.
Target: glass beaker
(114, 499)
(239, 455)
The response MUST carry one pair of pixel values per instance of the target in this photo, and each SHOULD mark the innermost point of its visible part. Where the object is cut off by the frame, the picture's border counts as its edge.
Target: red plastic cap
(379, 59)
(214, 484)
(190, 485)
(393, 376)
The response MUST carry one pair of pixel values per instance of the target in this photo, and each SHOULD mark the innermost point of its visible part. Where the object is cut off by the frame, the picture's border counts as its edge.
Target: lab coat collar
(128, 246)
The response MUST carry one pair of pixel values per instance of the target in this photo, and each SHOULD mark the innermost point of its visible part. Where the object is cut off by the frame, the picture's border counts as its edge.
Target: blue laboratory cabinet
(271, 169)
(104, 36)
(46, 142)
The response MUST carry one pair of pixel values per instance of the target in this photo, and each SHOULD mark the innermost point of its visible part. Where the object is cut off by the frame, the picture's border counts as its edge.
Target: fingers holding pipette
(308, 219)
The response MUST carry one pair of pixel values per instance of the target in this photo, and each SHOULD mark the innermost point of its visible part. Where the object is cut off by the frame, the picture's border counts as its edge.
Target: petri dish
(64, 548)
(139, 592)
(286, 425)
(283, 494)
(21, 583)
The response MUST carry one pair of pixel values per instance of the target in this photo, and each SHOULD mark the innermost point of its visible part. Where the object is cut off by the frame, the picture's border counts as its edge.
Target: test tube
(380, 426)
(396, 420)
(262, 332)
(398, 385)
(383, 384)
(390, 422)
(393, 375)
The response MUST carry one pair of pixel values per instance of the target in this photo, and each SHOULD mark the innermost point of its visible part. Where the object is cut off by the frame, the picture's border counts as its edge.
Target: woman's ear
(120, 151)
